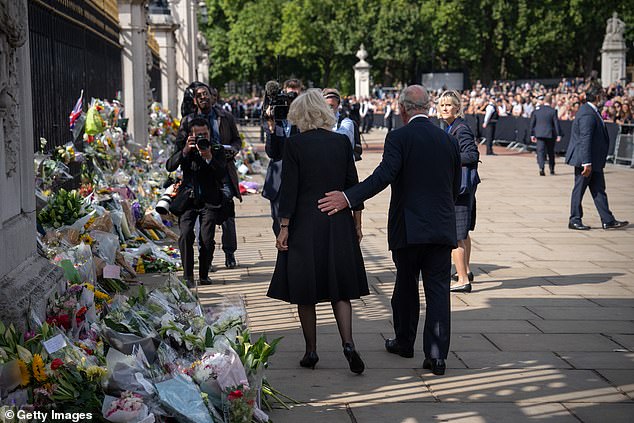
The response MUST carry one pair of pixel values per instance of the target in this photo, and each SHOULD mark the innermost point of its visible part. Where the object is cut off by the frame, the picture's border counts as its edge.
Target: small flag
(74, 115)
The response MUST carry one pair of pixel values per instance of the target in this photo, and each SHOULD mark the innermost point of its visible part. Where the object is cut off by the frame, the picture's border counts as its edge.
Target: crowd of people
(511, 99)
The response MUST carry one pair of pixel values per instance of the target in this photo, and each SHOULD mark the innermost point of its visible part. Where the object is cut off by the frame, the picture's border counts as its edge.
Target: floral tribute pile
(151, 356)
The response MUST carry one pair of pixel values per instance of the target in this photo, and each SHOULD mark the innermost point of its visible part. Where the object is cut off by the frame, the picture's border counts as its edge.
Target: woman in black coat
(450, 110)
(319, 256)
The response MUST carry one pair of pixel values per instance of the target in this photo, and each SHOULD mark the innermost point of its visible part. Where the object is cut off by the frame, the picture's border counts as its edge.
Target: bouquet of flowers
(239, 403)
(128, 408)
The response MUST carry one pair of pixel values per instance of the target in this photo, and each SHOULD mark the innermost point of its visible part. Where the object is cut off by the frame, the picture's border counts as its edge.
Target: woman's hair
(455, 98)
(310, 111)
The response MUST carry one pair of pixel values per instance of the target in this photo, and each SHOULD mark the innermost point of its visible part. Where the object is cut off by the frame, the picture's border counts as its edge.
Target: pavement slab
(546, 335)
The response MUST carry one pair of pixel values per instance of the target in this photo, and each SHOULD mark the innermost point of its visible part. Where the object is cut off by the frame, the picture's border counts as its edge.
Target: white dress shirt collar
(417, 116)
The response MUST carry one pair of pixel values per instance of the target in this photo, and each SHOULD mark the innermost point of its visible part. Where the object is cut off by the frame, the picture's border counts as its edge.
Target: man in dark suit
(422, 164)
(545, 131)
(587, 152)
(276, 133)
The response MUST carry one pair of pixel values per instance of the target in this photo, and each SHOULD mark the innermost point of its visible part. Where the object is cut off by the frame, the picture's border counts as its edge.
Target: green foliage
(317, 40)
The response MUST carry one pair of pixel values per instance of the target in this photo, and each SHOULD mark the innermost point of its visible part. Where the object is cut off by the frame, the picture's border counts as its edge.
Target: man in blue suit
(587, 152)
(422, 164)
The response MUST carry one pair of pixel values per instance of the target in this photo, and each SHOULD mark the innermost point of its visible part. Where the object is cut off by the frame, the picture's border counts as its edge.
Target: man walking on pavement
(545, 131)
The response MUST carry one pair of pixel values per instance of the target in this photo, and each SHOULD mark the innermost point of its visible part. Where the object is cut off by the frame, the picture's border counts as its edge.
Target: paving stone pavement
(546, 335)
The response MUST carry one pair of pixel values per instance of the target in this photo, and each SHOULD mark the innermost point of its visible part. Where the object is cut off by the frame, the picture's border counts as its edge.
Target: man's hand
(587, 170)
(558, 139)
(281, 243)
(189, 145)
(484, 125)
(533, 139)
(333, 202)
(359, 233)
(270, 119)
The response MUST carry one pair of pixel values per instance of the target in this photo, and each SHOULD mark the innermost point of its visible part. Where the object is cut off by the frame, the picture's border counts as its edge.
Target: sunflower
(25, 377)
(38, 368)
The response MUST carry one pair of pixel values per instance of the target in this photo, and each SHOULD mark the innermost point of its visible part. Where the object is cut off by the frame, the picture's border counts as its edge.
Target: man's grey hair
(414, 99)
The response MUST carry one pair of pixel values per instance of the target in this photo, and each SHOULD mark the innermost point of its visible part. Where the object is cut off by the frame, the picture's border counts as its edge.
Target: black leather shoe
(189, 283)
(212, 268)
(455, 278)
(230, 261)
(616, 224)
(354, 359)
(392, 346)
(310, 359)
(461, 288)
(436, 365)
(578, 226)
(542, 173)
(205, 281)
(552, 171)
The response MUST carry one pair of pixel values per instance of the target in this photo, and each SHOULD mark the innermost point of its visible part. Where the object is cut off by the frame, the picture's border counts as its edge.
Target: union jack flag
(74, 115)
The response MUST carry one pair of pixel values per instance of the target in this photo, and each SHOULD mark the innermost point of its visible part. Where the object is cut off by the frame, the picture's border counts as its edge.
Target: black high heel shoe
(309, 360)
(354, 359)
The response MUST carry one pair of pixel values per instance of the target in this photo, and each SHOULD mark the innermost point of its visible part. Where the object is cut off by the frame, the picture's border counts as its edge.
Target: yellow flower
(96, 373)
(25, 377)
(38, 368)
(102, 296)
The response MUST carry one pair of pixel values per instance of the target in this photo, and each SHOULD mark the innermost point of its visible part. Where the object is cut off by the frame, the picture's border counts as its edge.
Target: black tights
(343, 314)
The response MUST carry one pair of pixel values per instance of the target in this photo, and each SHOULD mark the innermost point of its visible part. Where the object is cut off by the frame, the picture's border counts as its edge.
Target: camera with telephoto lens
(163, 204)
(202, 142)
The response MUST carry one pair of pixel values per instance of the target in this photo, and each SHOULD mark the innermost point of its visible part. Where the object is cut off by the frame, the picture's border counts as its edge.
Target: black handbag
(469, 180)
(182, 201)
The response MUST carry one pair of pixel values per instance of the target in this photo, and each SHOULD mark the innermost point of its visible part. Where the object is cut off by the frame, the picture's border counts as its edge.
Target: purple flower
(28, 335)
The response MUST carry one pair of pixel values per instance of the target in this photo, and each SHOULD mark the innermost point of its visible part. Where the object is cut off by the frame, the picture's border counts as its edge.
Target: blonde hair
(455, 98)
(310, 111)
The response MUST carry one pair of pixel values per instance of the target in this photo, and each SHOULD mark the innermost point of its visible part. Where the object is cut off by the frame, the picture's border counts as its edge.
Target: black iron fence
(74, 46)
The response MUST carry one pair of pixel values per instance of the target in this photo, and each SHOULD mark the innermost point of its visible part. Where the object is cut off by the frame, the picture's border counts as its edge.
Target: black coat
(205, 178)
(545, 123)
(229, 135)
(422, 164)
(589, 141)
(323, 261)
(469, 154)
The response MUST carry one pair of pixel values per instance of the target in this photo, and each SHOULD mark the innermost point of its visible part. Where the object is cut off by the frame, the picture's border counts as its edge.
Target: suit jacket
(469, 154)
(275, 150)
(229, 135)
(422, 164)
(544, 123)
(589, 141)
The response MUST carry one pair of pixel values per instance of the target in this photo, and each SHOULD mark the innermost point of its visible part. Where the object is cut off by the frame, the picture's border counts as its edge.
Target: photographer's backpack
(358, 148)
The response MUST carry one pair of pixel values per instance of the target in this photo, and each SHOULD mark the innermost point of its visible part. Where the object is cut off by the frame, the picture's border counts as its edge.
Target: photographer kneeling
(200, 195)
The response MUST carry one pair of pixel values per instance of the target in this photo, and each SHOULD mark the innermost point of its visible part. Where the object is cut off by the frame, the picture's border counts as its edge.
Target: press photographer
(223, 132)
(204, 167)
(277, 130)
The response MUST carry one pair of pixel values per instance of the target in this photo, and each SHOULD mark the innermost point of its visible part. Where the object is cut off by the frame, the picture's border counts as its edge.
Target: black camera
(281, 103)
(278, 99)
(202, 142)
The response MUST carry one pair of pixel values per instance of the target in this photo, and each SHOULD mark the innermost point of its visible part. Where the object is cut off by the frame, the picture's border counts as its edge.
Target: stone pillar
(164, 32)
(203, 59)
(26, 278)
(362, 74)
(133, 21)
(613, 52)
(184, 13)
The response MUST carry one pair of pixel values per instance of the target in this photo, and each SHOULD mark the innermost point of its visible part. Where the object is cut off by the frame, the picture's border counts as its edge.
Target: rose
(56, 364)
(234, 395)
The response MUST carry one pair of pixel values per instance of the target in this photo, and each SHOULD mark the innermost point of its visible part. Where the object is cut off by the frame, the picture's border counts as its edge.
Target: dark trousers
(489, 134)
(367, 123)
(434, 263)
(275, 212)
(596, 183)
(186, 223)
(229, 237)
(546, 146)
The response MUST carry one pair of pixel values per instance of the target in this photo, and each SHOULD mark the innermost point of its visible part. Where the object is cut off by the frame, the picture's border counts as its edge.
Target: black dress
(323, 261)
